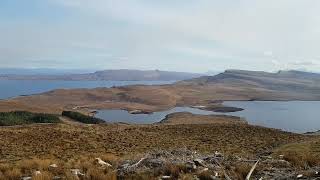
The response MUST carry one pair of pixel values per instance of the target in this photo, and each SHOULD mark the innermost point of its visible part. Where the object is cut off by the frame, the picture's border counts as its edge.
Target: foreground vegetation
(76, 116)
(23, 117)
(169, 149)
(59, 149)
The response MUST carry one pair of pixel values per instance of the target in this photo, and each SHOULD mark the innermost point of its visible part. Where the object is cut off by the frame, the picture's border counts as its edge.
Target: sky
(175, 35)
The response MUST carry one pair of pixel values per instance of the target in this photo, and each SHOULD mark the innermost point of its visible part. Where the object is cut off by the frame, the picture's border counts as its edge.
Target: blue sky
(179, 35)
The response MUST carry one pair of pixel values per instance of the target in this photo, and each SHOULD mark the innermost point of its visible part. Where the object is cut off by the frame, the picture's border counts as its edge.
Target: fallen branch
(251, 170)
(137, 164)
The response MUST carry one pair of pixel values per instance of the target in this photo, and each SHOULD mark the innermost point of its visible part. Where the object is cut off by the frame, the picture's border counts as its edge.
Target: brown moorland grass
(147, 98)
(29, 148)
(303, 154)
(64, 141)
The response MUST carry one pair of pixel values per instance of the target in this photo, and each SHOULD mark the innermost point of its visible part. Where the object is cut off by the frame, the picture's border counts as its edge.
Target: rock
(37, 173)
(165, 177)
(56, 177)
(139, 112)
(299, 176)
(203, 170)
(153, 163)
(191, 165)
(195, 177)
(281, 156)
(265, 157)
(26, 178)
(199, 162)
(102, 163)
(213, 177)
(53, 166)
(125, 166)
(77, 172)
(218, 154)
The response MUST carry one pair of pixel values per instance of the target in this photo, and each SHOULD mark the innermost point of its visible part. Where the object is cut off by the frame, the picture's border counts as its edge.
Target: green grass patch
(23, 117)
(82, 118)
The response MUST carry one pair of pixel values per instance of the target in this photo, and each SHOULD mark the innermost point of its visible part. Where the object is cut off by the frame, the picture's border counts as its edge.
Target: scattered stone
(77, 172)
(165, 177)
(218, 155)
(56, 177)
(195, 177)
(102, 163)
(191, 165)
(37, 173)
(300, 176)
(26, 178)
(265, 157)
(154, 163)
(213, 177)
(53, 166)
(203, 170)
(281, 156)
(199, 162)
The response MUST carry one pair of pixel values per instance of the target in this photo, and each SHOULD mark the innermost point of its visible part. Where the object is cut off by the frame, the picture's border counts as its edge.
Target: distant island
(108, 75)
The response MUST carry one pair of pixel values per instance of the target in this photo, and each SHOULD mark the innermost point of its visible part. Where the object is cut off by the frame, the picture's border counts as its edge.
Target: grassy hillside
(23, 117)
(76, 146)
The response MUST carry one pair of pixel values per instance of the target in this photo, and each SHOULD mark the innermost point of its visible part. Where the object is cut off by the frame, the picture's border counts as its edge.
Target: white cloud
(306, 63)
(258, 34)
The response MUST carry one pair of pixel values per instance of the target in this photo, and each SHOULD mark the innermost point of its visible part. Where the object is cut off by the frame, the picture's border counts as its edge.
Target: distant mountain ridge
(110, 75)
(282, 81)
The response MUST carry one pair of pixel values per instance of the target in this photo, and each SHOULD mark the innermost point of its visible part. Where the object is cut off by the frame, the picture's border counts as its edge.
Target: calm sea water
(293, 116)
(15, 88)
(125, 116)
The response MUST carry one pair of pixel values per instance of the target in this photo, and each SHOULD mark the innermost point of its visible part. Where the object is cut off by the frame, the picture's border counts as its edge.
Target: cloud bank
(174, 35)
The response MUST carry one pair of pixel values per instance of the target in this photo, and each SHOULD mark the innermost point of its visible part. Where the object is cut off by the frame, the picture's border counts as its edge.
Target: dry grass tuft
(43, 176)
(98, 174)
(242, 170)
(34, 164)
(205, 175)
(174, 170)
(302, 155)
(12, 174)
